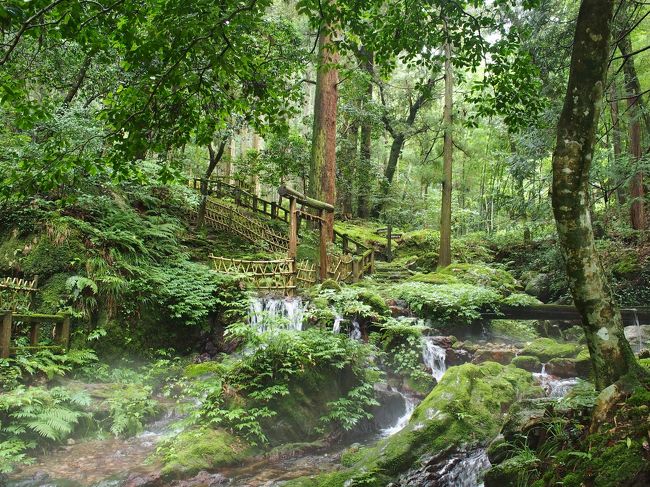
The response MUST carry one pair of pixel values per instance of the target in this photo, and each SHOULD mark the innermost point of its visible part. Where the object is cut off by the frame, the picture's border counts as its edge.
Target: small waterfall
(267, 313)
(403, 420)
(638, 331)
(355, 332)
(554, 386)
(467, 472)
(434, 358)
(336, 328)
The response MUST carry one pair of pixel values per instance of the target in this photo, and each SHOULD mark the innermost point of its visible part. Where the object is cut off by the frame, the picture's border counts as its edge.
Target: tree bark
(444, 256)
(322, 176)
(215, 157)
(633, 94)
(611, 355)
(364, 173)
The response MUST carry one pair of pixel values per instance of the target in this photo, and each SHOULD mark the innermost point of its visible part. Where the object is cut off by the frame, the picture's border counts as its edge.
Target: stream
(116, 462)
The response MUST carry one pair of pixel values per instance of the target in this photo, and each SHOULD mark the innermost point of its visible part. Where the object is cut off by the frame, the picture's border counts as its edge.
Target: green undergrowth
(120, 258)
(464, 409)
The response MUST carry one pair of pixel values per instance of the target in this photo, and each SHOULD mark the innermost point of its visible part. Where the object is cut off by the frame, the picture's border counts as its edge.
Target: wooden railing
(233, 219)
(241, 197)
(15, 300)
(271, 209)
(263, 274)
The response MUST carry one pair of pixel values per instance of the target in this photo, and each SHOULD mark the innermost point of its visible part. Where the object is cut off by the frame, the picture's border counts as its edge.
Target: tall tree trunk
(322, 174)
(633, 95)
(215, 157)
(611, 355)
(444, 256)
(364, 173)
(616, 136)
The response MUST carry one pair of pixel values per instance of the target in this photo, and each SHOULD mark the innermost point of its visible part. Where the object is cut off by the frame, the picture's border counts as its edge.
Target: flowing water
(403, 420)
(101, 462)
(355, 331)
(554, 386)
(434, 358)
(336, 327)
(270, 312)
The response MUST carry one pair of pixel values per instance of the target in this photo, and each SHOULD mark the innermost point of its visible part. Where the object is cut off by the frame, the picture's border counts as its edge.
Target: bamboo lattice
(16, 293)
(230, 218)
(263, 274)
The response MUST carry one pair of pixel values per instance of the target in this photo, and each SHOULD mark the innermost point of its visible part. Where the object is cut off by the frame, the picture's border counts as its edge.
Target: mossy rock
(210, 367)
(47, 258)
(199, 449)
(482, 275)
(330, 284)
(465, 408)
(375, 301)
(52, 294)
(570, 367)
(527, 362)
(547, 349)
(513, 472)
(434, 278)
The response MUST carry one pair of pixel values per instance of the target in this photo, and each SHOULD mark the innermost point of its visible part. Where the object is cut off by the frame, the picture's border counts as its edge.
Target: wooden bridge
(232, 209)
(16, 297)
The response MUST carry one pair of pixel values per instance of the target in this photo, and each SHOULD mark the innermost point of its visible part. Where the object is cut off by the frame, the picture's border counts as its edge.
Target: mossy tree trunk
(611, 355)
(444, 256)
(322, 174)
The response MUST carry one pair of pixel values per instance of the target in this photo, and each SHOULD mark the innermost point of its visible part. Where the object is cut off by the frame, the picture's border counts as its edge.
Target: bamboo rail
(12, 313)
(230, 218)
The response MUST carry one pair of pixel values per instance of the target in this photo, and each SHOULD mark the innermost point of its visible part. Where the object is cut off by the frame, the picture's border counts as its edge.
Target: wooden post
(274, 209)
(355, 269)
(33, 334)
(293, 229)
(5, 334)
(62, 332)
(389, 243)
(323, 249)
(346, 243)
(372, 262)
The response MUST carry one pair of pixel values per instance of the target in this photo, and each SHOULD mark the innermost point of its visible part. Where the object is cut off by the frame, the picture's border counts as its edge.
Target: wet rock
(540, 287)
(526, 418)
(147, 480)
(527, 362)
(203, 479)
(638, 335)
(546, 349)
(500, 355)
(457, 356)
(569, 367)
(447, 469)
(398, 307)
(391, 406)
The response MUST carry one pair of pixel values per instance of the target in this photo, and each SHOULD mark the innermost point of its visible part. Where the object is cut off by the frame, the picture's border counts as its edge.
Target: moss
(546, 349)
(517, 329)
(330, 284)
(464, 409)
(11, 251)
(363, 233)
(46, 258)
(645, 362)
(482, 275)
(52, 294)
(640, 397)
(516, 471)
(201, 449)
(434, 278)
(375, 301)
(520, 299)
(527, 362)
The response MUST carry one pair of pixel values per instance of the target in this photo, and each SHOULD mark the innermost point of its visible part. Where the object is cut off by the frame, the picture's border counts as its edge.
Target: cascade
(336, 328)
(466, 472)
(403, 420)
(554, 386)
(434, 358)
(267, 312)
(355, 333)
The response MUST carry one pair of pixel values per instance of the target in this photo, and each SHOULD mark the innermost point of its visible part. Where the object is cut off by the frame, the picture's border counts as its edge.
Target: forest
(324, 243)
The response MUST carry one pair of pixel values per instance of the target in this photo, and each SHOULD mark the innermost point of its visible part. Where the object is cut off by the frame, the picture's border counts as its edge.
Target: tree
(611, 355)
(322, 175)
(444, 256)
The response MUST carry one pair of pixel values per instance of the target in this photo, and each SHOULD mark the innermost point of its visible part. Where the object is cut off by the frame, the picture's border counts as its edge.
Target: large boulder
(546, 349)
(540, 287)
(464, 411)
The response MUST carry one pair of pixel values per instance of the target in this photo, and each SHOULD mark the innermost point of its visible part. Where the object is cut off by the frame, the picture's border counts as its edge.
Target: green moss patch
(482, 275)
(546, 349)
(201, 449)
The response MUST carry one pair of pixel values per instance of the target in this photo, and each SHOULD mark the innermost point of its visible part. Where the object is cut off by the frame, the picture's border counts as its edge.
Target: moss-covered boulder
(526, 362)
(199, 449)
(482, 275)
(511, 473)
(465, 408)
(434, 278)
(546, 349)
